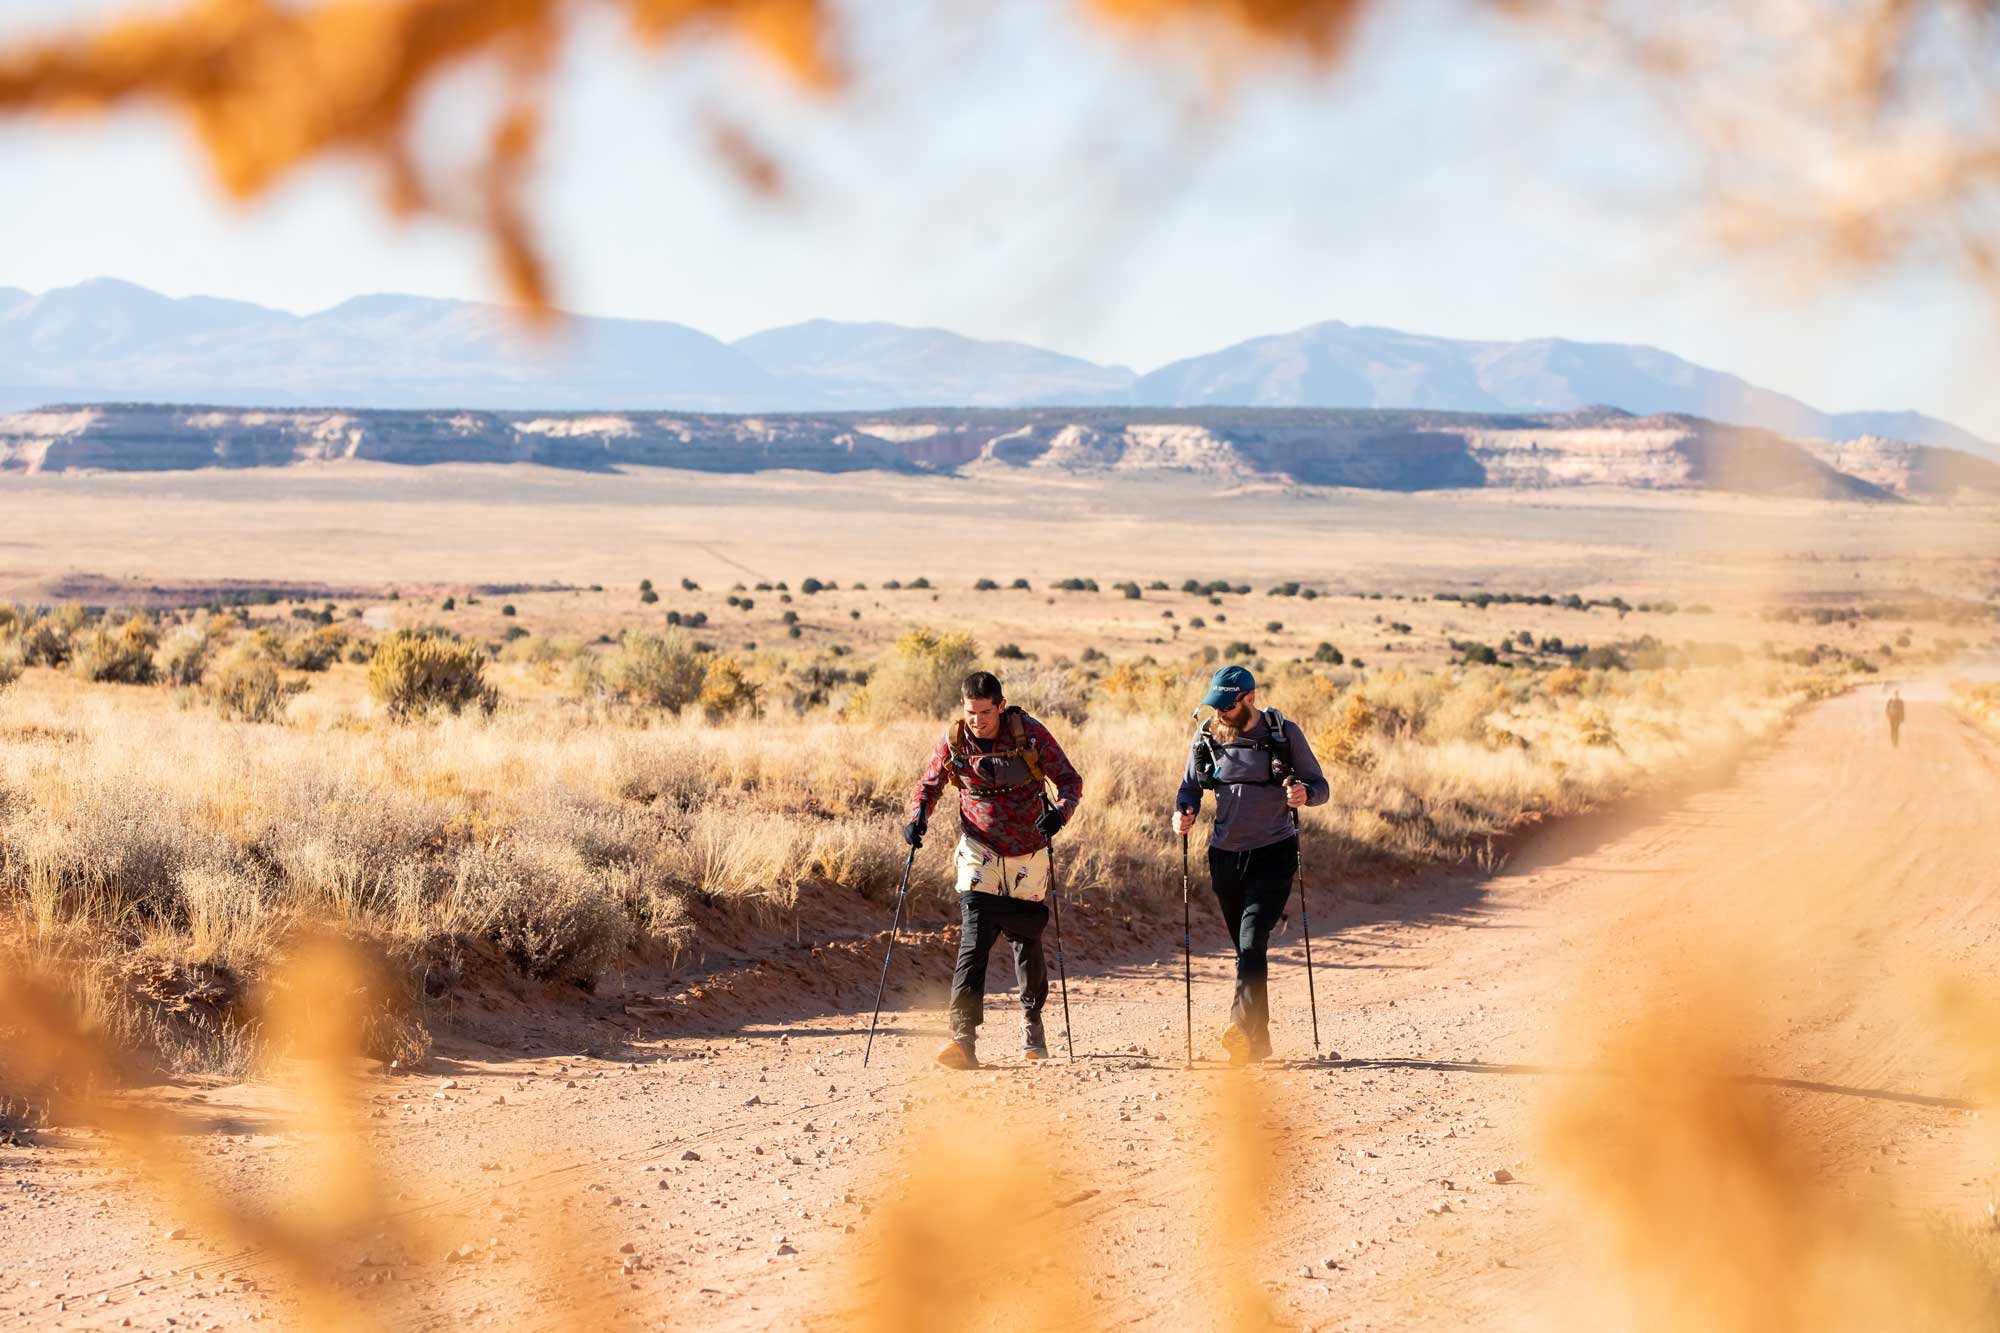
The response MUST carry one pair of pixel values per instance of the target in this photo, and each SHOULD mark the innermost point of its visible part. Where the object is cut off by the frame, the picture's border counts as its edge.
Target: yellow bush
(1564, 681)
(725, 691)
(417, 673)
(922, 678)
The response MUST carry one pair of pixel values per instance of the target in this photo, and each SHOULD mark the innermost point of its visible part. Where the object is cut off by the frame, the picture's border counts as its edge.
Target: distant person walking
(1261, 770)
(1895, 712)
(1001, 761)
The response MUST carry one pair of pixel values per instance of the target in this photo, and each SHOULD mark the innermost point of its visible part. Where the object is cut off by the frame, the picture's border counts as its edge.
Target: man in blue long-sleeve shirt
(1261, 770)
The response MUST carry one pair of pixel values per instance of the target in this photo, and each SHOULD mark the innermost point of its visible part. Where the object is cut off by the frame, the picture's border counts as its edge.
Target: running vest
(1265, 761)
(1012, 764)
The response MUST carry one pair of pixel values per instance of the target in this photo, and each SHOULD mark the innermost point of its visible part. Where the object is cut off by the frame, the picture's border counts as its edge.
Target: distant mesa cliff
(1373, 450)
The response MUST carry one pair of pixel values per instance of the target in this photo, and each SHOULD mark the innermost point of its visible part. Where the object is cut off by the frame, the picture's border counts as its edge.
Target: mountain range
(107, 341)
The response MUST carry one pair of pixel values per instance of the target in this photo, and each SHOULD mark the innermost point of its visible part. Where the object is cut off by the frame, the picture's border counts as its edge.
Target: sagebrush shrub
(657, 670)
(184, 656)
(311, 650)
(10, 665)
(120, 654)
(415, 673)
(922, 678)
(725, 691)
(247, 686)
(44, 643)
(555, 917)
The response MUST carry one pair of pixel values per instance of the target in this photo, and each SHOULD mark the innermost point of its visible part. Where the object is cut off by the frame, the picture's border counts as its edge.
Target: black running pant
(984, 918)
(1252, 889)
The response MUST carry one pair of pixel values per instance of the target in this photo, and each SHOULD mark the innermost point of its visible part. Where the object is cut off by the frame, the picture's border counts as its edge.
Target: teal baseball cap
(1228, 685)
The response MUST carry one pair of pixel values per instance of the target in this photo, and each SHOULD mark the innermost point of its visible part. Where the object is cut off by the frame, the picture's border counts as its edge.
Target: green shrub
(1010, 652)
(984, 585)
(657, 670)
(507, 610)
(648, 597)
(1274, 627)
(448, 604)
(1240, 649)
(920, 583)
(10, 665)
(120, 655)
(1020, 585)
(811, 586)
(1328, 654)
(415, 673)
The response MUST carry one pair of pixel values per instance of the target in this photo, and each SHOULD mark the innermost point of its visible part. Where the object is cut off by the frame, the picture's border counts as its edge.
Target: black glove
(1050, 823)
(913, 832)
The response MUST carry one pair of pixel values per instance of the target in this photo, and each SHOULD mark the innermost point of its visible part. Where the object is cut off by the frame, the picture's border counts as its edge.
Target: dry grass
(1978, 702)
(571, 829)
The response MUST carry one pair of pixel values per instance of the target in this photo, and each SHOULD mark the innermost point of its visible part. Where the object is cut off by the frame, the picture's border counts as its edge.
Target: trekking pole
(883, 984)
(1305, 920)
(1062, 969)
(1187, 952)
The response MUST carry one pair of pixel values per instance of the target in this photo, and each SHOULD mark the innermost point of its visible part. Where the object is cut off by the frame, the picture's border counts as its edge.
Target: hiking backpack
(962, 761)
(1208, 753)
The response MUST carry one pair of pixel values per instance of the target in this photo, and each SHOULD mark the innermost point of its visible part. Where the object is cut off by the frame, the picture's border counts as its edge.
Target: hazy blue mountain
(891, 365)
(111, 341)
(1339, 365)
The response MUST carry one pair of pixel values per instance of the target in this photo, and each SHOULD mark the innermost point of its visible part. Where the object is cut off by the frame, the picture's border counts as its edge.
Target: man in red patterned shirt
(1001, 760)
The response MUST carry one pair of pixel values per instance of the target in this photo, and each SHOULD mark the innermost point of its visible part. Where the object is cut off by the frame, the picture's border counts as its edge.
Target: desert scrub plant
(726, 691)
(921, 678)
(309, 650)
(247, 686)
(183, 656)
(656, 670)
(415, 673)
(120, 655)
(10, 664)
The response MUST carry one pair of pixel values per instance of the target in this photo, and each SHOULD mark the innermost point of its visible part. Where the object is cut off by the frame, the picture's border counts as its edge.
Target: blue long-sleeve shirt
(1248, 815)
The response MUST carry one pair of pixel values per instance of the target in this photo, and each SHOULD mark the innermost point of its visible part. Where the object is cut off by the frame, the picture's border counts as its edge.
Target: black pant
(1252, 889)
(984, 918)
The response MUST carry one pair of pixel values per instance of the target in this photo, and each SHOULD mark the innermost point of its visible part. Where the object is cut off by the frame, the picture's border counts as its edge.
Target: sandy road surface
(1828, 880)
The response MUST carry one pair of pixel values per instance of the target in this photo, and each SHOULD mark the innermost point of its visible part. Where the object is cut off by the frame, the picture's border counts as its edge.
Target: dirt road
(761, 1178)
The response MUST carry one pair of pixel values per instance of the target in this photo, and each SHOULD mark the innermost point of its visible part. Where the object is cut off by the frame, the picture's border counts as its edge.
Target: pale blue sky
(1023, 174)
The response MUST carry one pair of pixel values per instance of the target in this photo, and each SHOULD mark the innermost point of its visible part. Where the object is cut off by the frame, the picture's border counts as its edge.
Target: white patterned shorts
(983, 870)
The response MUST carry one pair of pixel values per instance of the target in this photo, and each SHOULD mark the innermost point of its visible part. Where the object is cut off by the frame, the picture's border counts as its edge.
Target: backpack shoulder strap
(1017, 728)
(954, 744)
(1277, 739)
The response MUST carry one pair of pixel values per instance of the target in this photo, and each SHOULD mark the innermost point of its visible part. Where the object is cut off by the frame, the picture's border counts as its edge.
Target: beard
(1223, 732)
